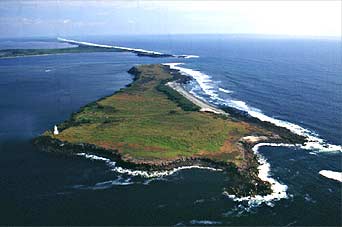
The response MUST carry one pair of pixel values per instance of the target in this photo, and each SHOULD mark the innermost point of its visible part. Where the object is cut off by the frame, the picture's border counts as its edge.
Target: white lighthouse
(55, 131)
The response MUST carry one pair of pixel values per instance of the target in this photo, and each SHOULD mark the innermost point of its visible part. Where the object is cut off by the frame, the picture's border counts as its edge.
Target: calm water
(298, 81)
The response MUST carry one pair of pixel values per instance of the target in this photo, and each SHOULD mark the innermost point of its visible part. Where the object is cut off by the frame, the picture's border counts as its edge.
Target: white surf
(331, 175)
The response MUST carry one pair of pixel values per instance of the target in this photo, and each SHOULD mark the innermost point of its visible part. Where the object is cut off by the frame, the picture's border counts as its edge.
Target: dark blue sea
(295, 82)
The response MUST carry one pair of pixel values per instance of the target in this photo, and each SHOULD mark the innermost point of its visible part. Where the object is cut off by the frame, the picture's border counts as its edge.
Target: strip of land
(155, 124)
(12, 53)
(138, 52)
(83, 47)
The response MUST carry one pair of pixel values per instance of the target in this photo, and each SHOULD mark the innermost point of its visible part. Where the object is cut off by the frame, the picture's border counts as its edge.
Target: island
(155, 124)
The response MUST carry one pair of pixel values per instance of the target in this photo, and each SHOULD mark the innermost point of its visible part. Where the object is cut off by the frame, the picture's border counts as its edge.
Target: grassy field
(147, 122)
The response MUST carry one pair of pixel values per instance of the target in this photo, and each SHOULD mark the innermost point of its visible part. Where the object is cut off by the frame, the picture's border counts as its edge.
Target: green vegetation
(148, 121)
(173, 95)
(31, 52)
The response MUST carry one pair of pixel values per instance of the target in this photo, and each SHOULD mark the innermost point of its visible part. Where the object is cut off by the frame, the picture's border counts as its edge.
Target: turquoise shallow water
(293, 80)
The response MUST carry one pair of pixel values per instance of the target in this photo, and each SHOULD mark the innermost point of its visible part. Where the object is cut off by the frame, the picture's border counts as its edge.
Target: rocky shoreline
(48, 144)
(243, 182)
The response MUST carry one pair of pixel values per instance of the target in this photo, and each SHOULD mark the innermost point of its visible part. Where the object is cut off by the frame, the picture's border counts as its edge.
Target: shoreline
(205, 106)
(19, 53)
(47, 144)
(32, 55)
(40, 55)
(244, 177)
(86, 47)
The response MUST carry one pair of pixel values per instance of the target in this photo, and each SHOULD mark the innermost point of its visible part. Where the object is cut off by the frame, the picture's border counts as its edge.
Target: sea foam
(225, 90)
(204, 222)
(331, 175)
(278, 189)
(186, 56)
(204, 80)
(141, 173)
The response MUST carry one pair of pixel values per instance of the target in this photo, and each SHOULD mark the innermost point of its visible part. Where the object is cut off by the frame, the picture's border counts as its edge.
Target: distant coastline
(15, 53)
(85, 47)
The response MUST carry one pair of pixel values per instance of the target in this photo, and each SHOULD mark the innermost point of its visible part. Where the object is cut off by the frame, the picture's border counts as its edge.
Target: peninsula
(155, 124)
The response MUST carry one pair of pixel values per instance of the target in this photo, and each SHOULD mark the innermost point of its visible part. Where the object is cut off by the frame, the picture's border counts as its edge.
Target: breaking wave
(225, 90)
(120, 181)
(141, 173)
(154, 174)
(331, 175)
(207, 85)
(186, 56)
(204, 222)
(278, 189)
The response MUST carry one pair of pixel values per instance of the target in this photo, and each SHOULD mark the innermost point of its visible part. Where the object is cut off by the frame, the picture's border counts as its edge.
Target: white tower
(55, 131)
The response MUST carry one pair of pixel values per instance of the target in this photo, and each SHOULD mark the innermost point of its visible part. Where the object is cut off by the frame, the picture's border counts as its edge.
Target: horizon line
(180, 34)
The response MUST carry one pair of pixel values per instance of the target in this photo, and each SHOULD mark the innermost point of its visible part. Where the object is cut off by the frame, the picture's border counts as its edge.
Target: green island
(155, 124)
(11, 53)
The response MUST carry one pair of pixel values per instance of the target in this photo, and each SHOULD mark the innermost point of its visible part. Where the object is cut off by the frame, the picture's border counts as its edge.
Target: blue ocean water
(295, 80)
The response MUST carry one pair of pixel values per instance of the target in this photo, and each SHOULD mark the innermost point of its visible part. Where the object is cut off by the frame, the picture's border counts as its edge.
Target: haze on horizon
(76, 18)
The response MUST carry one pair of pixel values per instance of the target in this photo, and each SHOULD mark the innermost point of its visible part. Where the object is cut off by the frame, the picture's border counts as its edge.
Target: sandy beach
(205, 107)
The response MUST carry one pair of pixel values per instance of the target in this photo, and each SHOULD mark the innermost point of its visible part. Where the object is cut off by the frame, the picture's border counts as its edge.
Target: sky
(27, 18)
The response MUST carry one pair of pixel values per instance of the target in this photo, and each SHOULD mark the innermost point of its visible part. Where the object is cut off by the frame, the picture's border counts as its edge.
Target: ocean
(293, 82)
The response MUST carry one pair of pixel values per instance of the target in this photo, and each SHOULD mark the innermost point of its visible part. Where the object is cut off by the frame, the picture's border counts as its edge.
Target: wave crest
(331, 175)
